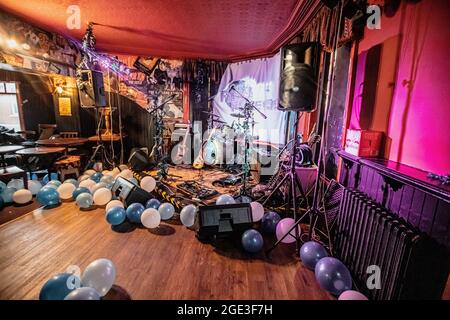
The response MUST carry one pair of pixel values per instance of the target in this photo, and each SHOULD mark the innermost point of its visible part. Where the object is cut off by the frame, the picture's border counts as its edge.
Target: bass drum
(216, 153)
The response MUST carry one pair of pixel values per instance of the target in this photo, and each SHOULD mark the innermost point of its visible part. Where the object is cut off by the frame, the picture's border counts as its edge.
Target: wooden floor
(169, 263)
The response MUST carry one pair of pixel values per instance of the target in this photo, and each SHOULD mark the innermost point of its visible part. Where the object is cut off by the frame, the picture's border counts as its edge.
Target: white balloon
(102, 196)
(66, 190)
(225, 199)
(34, 186)
(22, 196)
(114, 203)
(89, 172)
(148, 183)
(105, 172)
(16, 184)
(150, 218)
(99, 275)
(83, 177)
(87, 183)
(127, 174)
(257, 211)
(187, 215)
(123, 167)
(84, 293)
(97, 186)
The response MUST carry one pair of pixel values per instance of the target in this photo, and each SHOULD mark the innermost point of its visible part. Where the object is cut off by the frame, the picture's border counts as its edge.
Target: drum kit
(230, 145)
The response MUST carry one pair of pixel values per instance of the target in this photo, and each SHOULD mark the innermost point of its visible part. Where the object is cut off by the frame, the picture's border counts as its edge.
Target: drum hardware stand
(248, 114)
(314, 212)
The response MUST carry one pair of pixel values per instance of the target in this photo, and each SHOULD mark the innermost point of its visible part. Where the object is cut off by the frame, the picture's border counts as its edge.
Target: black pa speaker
(129, 193)
(139, 161)
(92, 94)
(298, 85)
(221, 221)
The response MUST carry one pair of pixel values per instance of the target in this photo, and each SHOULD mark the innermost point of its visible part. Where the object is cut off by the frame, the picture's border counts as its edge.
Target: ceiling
(210, 29)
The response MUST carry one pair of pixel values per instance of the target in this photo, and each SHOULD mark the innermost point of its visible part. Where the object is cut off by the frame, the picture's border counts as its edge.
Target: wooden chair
(46, 130)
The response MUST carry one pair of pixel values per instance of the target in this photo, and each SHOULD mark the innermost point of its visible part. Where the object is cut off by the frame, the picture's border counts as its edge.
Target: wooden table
(62, 142)
(106, 138)
(5, 150)
(40, 152)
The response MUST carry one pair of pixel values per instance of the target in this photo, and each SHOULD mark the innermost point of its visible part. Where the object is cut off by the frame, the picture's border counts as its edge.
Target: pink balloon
(352, 295)
(283, 227)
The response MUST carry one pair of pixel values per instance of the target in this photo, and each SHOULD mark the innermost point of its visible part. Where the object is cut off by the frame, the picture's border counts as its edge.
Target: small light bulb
(59, 90)
(11, 43)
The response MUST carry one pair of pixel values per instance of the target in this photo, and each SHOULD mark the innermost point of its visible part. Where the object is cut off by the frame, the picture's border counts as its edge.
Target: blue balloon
(84, 200)
(153, 203)
(311, 252)
(56, 183)
(7, 194)
(79, 191)
(2, 186)
(59, 286)
(97, 176)
(1, 202)
(269, 222)
(72, 181)
(53, 176)
(134, 212)
(116, 215)
(48, 196)
(333, 276)
(252, 241)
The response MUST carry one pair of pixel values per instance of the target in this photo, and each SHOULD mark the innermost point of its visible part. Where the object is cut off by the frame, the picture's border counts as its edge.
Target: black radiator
(413, 266)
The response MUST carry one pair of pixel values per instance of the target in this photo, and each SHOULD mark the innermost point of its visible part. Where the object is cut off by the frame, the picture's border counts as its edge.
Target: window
(9, 108)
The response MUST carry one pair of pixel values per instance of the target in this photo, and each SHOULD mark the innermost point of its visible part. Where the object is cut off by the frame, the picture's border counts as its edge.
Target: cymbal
(237, 115)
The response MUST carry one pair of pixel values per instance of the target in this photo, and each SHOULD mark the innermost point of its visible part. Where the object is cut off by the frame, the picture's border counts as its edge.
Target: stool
(13, 172)
(68, 165)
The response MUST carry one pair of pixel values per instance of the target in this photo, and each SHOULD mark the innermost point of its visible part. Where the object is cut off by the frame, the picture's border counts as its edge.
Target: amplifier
(129, 193)
(223, 220)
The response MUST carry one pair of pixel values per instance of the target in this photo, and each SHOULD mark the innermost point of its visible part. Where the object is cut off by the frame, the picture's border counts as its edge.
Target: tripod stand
(293, 184)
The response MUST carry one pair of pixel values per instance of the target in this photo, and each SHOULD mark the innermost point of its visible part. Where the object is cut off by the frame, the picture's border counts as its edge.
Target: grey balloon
(84, 293)
(99, 275)
(187, 215)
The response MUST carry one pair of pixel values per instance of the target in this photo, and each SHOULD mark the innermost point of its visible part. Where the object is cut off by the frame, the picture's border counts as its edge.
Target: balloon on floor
(269, 222)
(225, 199)
(257, 211)
(84, 200)
(66, 190)
(252, 241)
(166, 210)
(72, 181)
(99, 275)
(114, 203)
(283, 227)
(84, 293)
(79, 191)
(352, 295)
(311, 252)
(134, 212)
(150, 218)
(48, 196)
(187, 215)
(115, 216)
(148, 183)
(58, 287)
(7, 194)
(153, 203)
(333, 276)
(102, 196)
(22, 196)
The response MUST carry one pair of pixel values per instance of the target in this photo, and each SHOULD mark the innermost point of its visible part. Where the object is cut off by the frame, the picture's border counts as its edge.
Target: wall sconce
(60, 87)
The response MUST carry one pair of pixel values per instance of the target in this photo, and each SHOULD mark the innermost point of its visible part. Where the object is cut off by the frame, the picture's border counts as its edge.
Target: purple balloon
(283, 227)
(311, 252)
(333, 276)
(352, 295)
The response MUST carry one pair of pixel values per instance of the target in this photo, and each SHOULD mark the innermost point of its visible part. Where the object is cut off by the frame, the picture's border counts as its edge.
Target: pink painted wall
(413, 84)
